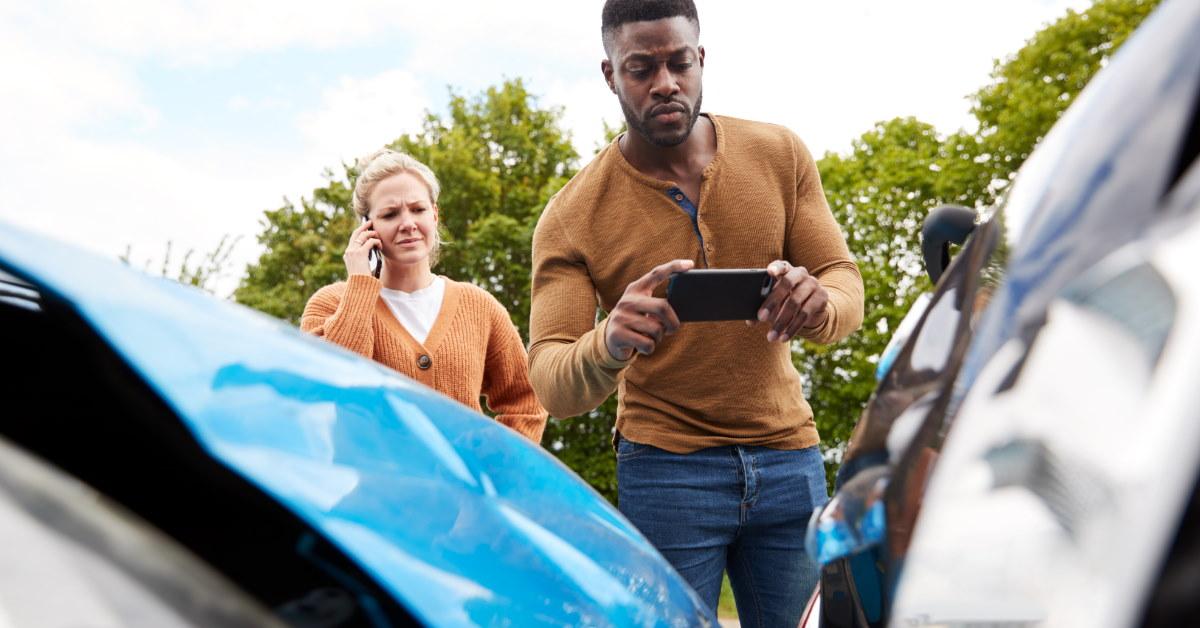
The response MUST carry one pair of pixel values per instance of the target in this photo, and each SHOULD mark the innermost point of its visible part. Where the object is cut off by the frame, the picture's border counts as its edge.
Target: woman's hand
(358, 250)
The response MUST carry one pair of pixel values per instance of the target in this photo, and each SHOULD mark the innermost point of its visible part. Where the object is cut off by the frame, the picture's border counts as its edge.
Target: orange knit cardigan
(473, 348)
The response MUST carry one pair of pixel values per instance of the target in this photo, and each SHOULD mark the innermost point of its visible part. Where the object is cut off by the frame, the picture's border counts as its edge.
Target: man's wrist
(807, 326)
(605, 355)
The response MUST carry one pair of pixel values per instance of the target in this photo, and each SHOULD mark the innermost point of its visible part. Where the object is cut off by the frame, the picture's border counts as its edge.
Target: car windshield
(1093, 184)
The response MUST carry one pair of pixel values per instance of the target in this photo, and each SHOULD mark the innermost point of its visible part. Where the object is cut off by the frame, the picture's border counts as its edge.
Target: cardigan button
(424, 362)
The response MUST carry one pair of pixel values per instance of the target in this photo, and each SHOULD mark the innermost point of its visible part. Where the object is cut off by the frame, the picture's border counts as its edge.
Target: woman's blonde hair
(385, 163)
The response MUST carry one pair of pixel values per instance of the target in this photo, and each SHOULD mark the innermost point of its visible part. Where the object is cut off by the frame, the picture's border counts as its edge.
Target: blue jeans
(735, 508)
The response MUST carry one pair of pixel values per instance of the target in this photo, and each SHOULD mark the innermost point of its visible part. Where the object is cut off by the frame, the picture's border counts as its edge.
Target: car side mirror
(943, 225)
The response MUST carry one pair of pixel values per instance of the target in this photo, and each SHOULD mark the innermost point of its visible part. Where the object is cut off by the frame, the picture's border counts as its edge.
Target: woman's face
(404, 216)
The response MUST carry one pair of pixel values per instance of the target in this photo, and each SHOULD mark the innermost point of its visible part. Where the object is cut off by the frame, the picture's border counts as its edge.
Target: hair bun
(366, 160)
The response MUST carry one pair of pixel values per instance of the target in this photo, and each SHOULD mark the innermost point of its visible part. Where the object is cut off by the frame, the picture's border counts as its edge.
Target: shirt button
(424, 362)
(679, 197)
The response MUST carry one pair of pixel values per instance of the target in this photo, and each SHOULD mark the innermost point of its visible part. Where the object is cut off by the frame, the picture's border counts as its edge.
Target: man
(717, 458)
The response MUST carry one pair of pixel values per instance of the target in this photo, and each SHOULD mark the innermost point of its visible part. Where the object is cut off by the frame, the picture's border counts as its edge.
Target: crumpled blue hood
(462, 519)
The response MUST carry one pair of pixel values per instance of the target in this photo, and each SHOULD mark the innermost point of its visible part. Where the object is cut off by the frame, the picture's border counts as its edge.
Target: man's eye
(683, 67)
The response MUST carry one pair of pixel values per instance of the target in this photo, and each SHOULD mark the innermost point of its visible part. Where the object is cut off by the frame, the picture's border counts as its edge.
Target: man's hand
(797, 300)
(639, 321)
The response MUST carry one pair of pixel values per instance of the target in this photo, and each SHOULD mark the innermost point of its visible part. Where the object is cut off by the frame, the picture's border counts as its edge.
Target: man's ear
(606, 68)
(701, 49)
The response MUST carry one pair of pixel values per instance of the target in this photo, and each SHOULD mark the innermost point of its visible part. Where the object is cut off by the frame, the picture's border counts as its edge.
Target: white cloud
(830, 70)
(827, 70)
(200, 32)
(587, 105)
(359, 115)
(62, 87)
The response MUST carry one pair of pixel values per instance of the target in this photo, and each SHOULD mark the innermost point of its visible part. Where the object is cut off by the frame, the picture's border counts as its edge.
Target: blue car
(168, 458)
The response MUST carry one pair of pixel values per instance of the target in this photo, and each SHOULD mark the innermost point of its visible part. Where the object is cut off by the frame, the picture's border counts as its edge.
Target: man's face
(655, 69)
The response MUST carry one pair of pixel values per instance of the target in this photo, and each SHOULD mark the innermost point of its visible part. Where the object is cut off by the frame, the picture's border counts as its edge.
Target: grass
(725, 606)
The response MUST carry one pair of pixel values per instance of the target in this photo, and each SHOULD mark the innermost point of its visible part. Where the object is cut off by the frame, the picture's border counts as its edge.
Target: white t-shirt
(417, 310)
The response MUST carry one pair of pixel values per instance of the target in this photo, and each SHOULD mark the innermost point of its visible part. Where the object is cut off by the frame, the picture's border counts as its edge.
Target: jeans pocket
(628, 450)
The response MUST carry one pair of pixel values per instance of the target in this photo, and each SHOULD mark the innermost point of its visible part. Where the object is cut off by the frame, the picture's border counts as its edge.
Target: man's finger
(788, 311)
(641, 343)
(810, 314)
(646, 283)
(793, 327)
(779, 292)
(647, 326)
(661, 311)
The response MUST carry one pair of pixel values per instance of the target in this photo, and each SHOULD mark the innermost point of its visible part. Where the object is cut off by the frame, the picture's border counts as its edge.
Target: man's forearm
(574, 377)
(845, 309)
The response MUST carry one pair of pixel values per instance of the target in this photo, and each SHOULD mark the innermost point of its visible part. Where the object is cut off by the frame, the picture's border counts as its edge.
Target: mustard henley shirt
(710, 384)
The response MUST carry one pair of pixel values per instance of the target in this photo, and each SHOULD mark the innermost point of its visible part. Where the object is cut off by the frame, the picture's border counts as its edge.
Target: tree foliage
(203, 273)
(1032, 88)
(500, 157)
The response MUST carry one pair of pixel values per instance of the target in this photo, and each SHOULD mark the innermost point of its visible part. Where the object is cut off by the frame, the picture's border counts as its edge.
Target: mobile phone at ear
(374, 262)
(718, 294)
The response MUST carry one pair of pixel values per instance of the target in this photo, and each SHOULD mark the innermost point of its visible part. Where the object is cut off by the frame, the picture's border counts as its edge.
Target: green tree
(499, 157)
(896, 172)
(880, 193)
(1031, 89)
(203, 274)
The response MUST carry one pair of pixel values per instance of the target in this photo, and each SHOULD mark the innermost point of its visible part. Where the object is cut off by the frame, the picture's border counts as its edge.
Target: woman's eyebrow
(401, 204)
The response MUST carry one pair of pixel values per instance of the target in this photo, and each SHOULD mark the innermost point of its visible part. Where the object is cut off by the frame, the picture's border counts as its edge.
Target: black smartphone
(718, 294)
(373, 260)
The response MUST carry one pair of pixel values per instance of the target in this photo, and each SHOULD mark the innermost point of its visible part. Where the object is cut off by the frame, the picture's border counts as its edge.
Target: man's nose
(664, 83)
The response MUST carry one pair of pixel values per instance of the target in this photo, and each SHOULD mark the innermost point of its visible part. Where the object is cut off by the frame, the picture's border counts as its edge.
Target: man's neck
(681, 161)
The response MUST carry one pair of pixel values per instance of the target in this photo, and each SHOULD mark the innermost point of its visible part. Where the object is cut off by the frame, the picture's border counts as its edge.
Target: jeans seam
(748, 574)
(739, 466)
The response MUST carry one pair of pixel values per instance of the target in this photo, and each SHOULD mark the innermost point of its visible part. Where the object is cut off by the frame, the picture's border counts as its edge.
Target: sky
(128, 124)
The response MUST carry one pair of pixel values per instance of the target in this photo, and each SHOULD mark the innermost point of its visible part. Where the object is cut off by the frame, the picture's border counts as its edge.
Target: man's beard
(642, 126)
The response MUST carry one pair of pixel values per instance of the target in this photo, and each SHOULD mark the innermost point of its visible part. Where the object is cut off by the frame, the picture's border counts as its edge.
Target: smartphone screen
(718, 294)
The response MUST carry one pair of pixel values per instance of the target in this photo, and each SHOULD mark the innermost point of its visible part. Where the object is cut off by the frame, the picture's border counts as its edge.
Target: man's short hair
(618, 12)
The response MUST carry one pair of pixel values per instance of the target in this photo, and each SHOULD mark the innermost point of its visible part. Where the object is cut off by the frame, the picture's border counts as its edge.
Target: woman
(451, 336)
